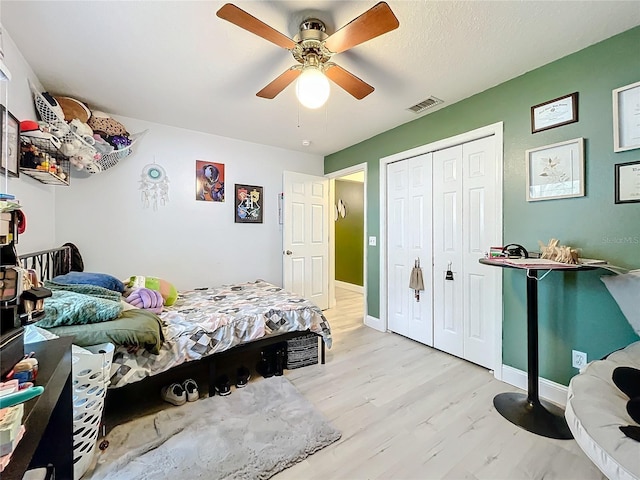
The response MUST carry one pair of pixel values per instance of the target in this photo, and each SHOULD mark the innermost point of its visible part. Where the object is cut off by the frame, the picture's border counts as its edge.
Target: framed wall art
(554, 113)
(249, 201)
(555, 171)
(627, 185)
(10, 130)
(626, 118)
(209, 181)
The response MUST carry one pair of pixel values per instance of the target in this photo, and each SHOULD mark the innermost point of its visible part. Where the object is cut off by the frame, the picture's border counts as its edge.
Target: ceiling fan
(313, 48)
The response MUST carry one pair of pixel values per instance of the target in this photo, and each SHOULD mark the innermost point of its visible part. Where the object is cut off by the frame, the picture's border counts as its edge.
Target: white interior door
(465, 225)
(479, 196)
(409, 239)
(306, 237)
(448, 334)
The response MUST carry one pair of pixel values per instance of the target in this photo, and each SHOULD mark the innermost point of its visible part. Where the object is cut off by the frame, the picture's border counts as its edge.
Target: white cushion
(596, 408)
(625, 289)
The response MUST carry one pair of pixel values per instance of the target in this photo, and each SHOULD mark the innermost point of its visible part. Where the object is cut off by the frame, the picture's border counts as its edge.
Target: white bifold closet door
(409, 218)
(465, 218)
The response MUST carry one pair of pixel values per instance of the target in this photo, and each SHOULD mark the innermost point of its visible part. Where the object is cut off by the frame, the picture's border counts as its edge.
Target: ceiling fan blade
(348, 81)
(377, 20)
(279, 84)
(242, 19)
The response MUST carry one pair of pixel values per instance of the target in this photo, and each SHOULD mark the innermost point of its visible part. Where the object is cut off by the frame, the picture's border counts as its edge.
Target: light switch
(372, 241)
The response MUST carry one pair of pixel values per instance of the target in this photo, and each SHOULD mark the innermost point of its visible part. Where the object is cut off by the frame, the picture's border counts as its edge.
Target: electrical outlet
(578, 359)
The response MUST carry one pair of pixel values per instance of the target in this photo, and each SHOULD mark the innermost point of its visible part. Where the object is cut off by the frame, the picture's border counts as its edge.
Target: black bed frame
(48, 263)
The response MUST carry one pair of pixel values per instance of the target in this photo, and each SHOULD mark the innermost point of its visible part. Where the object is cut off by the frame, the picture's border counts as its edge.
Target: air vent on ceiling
(425, 104)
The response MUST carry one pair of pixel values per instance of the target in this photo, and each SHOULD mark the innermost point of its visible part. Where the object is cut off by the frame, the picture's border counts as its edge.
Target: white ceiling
(176, 63)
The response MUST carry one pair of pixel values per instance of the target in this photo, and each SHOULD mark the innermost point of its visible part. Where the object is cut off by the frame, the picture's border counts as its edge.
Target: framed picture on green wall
(555, 171)
(627, 182)
(554, 113)
(626, 118)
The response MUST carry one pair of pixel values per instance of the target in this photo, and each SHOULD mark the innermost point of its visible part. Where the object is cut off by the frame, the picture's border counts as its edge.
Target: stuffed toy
(83, 130)
(147, 299)
(168, 291)
(80, 148)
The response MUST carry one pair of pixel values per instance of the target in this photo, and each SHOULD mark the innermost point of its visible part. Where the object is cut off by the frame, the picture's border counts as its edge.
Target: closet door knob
(289, 252)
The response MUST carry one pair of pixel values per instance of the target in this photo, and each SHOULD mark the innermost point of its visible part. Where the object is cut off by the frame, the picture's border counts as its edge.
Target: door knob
(288, 252)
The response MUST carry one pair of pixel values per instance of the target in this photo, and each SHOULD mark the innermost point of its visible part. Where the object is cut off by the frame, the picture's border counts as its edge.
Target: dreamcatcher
(154, 186)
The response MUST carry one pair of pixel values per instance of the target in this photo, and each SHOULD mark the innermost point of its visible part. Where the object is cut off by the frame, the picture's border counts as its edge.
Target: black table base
(528, 411)
(540, 417)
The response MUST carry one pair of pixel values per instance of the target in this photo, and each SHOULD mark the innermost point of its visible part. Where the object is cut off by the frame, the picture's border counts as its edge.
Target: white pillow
(625, 289)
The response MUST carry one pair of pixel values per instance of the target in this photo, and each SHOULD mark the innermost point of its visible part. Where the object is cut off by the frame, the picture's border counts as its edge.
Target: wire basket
(100, 162)
(46, 176)
(91, 373)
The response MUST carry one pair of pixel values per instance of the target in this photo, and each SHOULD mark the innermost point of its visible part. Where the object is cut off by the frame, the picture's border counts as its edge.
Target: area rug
(254, 433)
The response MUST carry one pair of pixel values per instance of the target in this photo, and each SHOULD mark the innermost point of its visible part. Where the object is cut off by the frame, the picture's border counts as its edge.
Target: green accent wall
(350, 233)
(575, 309)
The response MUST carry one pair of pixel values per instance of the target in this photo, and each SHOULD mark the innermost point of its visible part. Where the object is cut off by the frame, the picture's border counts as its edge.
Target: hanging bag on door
(416, 283)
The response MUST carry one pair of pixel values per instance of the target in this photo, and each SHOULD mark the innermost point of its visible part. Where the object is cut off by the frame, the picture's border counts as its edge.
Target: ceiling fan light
(312, 88)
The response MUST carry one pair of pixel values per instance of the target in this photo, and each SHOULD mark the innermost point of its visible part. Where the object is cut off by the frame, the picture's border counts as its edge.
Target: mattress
(596, 408)
(211, 320)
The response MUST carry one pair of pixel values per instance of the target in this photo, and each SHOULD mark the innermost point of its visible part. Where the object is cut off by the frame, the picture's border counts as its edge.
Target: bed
(202, 324)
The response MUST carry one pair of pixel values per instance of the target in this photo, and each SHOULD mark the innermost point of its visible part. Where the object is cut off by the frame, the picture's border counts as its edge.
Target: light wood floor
(407, 411)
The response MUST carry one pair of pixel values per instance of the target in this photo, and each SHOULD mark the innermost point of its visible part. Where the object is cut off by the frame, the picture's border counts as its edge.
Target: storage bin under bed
(302, 351)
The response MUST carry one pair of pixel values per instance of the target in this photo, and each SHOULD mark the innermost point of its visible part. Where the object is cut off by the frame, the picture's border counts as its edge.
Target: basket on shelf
(100, 162)
(91, 373)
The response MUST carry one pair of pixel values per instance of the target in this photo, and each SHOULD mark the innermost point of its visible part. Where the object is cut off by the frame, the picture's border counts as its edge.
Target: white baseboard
(548, 390)
(374, 323)
(350, 286)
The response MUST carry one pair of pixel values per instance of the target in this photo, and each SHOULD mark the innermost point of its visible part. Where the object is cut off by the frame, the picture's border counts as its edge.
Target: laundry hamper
(91, 372)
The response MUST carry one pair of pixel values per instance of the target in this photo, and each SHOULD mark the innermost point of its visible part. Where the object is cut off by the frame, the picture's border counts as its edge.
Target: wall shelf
(39, 151)
(44, 177)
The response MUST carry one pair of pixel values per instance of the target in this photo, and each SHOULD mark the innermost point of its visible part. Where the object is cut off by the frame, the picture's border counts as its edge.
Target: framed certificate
(554, 113)
(628, 182)
(626, 118)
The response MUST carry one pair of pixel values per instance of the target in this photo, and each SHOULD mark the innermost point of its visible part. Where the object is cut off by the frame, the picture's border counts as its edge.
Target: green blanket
(85, 289)
(79, 305)
(136, 327)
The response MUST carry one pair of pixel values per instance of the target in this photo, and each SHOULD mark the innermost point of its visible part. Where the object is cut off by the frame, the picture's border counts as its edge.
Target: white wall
(37, 199)
(189, 243)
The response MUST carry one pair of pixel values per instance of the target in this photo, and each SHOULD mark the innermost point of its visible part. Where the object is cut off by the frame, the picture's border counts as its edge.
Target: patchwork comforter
(206, 321)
